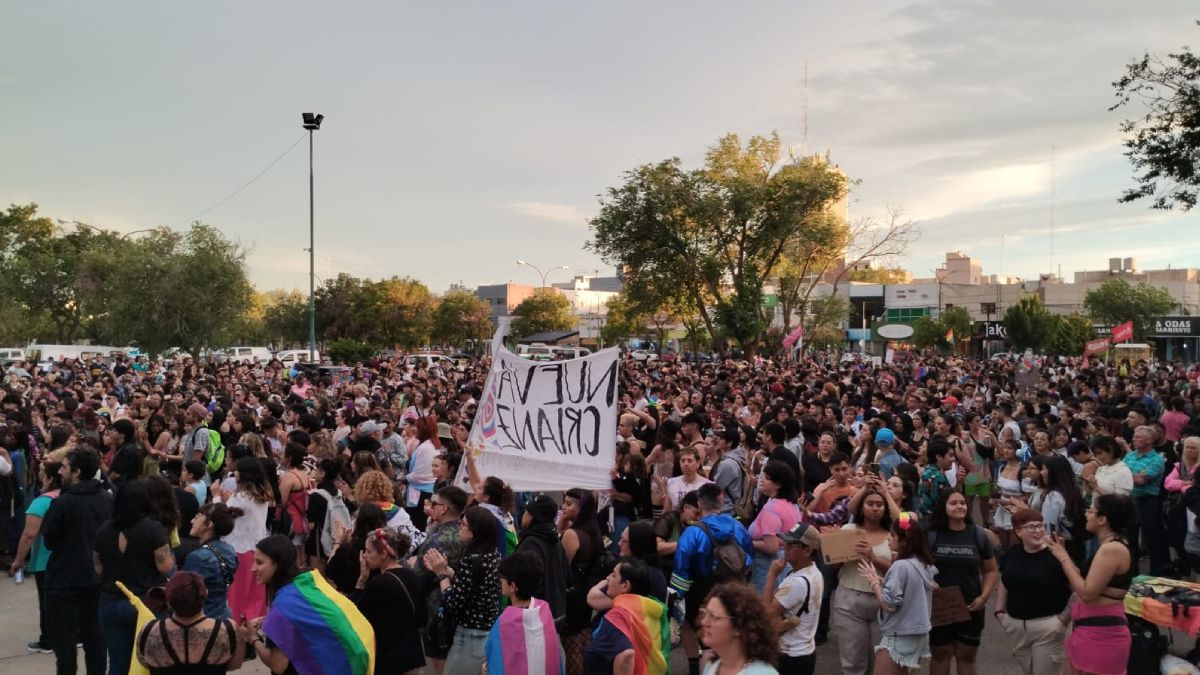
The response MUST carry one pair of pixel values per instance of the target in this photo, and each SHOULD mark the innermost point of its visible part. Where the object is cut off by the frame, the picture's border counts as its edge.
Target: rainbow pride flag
(524, 642)
(644, 621)
(319, 629)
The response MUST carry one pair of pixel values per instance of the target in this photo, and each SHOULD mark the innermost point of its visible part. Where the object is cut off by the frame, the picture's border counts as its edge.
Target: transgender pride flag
(524, 642)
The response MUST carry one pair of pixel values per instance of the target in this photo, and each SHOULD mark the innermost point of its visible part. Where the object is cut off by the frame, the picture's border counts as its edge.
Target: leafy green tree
(461, 316)
(58, 273)
(879, 275)
(929, 332)
(1163, 143)
(1028, 323)
(621, 321)
(958, 320)
(824, 327)
(198, 290)
(348, 351)
(1069, 334)
(285, 317)
(717, 232)
(335, 303)
(406, 314)
(545, 310)
(1116, 301)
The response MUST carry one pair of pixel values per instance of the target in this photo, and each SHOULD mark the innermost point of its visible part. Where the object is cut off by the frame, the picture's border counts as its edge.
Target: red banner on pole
(1096, 346)
(1123, 332)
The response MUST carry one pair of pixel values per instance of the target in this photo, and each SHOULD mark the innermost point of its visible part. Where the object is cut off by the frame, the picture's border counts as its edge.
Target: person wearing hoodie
(905, 597)
(539, 537)
(72, 584)
(695, 568)
(523, 639)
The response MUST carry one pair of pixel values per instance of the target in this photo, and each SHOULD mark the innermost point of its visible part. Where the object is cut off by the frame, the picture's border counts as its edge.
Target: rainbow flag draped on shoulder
(644, 621)
(319, 629)
(524, 642)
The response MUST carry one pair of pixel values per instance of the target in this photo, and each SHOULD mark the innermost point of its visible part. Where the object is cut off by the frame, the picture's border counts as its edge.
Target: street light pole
(539, 270)
(311, 123)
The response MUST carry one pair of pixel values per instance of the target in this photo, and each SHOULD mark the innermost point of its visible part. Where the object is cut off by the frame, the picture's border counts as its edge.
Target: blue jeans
(118, 620)
(758, 571)
(466, 655)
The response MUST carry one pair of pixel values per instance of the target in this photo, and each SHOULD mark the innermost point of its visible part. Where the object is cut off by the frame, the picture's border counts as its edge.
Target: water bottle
(19, 577)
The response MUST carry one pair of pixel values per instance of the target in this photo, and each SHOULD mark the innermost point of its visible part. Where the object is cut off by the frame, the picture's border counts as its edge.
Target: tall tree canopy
(1163, 143)
(545, 310)
(1116, 301)
(717, 232)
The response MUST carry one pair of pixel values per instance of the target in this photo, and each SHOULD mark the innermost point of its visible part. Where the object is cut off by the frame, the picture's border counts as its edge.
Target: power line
(245, 185)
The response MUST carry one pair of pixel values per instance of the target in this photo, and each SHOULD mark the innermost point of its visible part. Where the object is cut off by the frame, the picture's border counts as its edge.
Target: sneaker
(37, 648)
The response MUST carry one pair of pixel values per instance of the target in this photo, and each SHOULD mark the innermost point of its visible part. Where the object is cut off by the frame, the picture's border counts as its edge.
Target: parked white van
(427, 361)
(571, 352)
(536, 352)
(248, 354)
(290, 357)
(51, 353)
(11, 355)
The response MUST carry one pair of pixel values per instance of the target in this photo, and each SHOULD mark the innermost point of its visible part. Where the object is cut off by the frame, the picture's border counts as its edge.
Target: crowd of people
(314, 521)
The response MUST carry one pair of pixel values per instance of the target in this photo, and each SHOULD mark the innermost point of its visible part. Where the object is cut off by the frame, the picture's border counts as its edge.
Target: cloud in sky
(458, 136)
(559, 213)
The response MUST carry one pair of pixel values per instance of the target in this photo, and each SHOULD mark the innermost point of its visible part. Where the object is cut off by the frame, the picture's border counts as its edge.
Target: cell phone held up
(873, 468)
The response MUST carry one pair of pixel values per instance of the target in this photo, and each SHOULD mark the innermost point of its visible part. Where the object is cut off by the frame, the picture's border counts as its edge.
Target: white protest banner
(548, 425)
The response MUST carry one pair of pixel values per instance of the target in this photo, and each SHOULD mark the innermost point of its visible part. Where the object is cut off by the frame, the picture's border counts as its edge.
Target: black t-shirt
(392, 602)
(135, 566)
(631, 485)
(1035, 582)
(815, 472)
(958, 557)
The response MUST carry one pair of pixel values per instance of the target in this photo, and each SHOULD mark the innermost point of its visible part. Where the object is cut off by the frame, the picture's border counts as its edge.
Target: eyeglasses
(433, 503)
(1034, 527)
(705, 615)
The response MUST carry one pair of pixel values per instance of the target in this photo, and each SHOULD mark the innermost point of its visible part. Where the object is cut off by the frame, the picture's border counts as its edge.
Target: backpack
(729, 559)
(335, 512)
(214, 456)
(743, 508)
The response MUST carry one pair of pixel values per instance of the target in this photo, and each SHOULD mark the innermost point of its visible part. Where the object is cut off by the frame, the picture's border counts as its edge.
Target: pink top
(1173, 423)
(1176, 484)
(779, 515)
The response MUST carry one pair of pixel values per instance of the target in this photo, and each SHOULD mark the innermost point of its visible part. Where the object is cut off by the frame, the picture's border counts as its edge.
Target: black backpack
(729, 559)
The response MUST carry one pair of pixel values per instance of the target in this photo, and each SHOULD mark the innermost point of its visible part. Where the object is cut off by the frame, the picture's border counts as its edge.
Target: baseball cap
(952, 400)
(802, 533)
(885, 436)
(370, 427)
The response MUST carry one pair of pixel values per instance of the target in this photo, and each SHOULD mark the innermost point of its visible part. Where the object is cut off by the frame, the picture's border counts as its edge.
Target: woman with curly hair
(374, 487)
(737, 628)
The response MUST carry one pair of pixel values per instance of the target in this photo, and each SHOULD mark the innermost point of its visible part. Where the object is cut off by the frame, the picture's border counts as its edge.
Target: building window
(906, 314)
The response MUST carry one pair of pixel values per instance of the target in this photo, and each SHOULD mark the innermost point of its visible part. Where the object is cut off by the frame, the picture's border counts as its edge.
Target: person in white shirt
(798, 599)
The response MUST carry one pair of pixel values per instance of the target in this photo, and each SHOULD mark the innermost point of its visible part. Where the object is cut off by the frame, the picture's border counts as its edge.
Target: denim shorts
(906, 650)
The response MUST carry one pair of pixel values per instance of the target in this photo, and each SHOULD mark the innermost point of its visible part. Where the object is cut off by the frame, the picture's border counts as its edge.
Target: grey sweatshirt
(907, 587)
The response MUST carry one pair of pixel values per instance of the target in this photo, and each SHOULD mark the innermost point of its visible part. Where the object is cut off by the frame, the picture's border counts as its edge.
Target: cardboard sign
(839, 546)
(948, 607)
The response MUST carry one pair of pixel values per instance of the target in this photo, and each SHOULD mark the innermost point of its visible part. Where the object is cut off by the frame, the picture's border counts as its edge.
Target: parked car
(245, 354)
(11, 355)
(642, 355)
(427, 361)
(291, 357)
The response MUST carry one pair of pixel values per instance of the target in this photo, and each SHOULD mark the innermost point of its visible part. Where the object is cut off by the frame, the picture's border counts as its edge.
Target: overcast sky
(461, 136)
